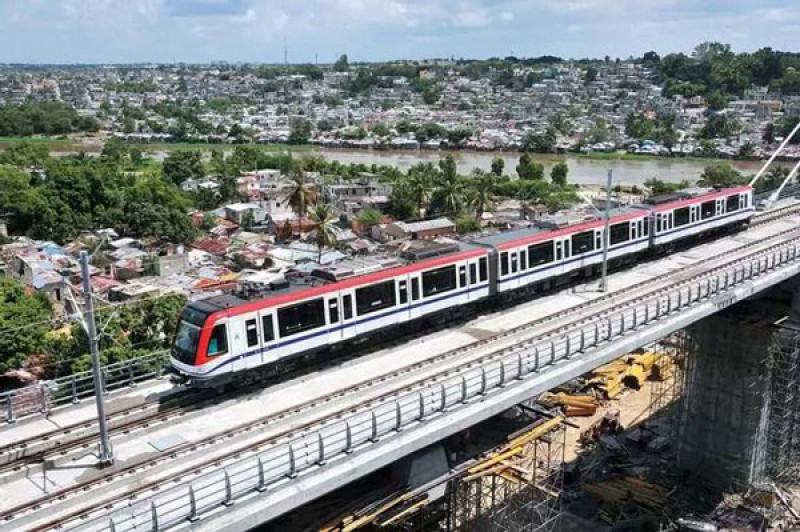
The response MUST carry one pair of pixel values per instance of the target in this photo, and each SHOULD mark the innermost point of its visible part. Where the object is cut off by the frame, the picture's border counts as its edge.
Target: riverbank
(584, 168)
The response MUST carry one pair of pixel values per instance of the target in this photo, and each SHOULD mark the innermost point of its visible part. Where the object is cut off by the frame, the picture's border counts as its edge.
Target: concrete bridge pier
(739, 418)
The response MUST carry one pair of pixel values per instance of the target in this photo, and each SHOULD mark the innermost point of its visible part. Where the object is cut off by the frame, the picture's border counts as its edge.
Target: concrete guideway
(452, 386)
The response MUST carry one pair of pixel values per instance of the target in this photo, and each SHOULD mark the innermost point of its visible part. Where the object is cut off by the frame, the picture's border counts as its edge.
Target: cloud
(472, 18)
(68, 31)
(207, 8)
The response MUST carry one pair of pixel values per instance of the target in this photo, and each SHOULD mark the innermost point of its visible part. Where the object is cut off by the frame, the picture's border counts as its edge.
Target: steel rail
(675, 300)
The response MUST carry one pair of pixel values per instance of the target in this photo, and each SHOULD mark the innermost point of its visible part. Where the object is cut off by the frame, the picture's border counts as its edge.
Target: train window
(218, 343)
(732, 203)
(251, 328)
(620, 233)
(375, 297)
(462, 276)
(523, 260)
(682, 216)
(473, 273)
(504, 263)
(333, 310)
(414, 289)
(540, 253)
(707, 209)
(513, 263)
(266, 324)
(403, 285)
(582, 242)
(347, 303)
(301, 317)
(437, 281)
(483, 269)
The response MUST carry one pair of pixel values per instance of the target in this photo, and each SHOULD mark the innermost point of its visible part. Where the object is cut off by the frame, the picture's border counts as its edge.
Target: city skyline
(201, 31)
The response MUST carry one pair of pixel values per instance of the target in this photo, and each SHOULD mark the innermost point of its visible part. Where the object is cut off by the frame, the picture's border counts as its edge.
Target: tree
(785, 126)
(591, 74)
(768, 136)
(467, 223)
(716, 100)
(449, 194)
(342, 64)
(23, 324)
(658, 186)
(248, 221)
(651, 59)
(418, 185)
(370, 217)
(300, 196)
(558, 175)
(773, 178)
(300, 132)
(540, 142)
(720, 125)
(497, 166)
(447, 166)
(379, 129)
(720, 174)
(323, 220)
(528, 168)
(180, 165)
(747, 149)
(481, 187)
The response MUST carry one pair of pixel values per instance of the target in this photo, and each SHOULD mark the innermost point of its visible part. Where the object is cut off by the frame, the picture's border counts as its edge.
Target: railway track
(391, 383)
(59, 443)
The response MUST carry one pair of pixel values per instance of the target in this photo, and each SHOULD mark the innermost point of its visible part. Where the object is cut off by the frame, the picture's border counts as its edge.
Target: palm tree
(450, 193)
(419, 184)
(323, 220)
(300, 196)
(481, 191)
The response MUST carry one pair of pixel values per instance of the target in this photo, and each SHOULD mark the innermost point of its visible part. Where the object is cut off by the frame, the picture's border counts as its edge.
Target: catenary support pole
(106, 454)
(604, 280)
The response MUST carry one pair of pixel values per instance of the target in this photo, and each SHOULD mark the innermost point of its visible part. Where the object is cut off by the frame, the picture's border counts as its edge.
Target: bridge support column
(724, 414)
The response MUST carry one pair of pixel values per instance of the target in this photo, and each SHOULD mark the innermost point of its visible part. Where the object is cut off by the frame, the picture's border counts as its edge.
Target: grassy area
(203, 146)
(66, 144)
(626, 156)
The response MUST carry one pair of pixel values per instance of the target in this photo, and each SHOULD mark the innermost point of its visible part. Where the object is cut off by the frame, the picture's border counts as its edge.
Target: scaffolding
(783, 442)
(669, 382)
(524, 498)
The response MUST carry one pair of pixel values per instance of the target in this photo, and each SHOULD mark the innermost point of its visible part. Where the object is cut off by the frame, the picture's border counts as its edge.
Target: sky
(201, 31)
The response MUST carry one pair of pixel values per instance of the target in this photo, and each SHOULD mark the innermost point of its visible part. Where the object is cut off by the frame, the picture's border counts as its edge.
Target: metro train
(224, 338)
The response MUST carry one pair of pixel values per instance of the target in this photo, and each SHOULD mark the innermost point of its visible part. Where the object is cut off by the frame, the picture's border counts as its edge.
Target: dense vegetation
(46, 118)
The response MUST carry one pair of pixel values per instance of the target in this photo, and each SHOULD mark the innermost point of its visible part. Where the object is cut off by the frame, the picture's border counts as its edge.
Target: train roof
(417, 256)
(534, 234)
(691, 196)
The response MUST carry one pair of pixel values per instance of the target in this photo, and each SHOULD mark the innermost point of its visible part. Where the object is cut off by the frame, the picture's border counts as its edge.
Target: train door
(403, 298)
(636, 226)
(347, 315)
(415, 295)
(694, 213)
(334, 318)
(267, 322)
(243, 341)
(720, 207)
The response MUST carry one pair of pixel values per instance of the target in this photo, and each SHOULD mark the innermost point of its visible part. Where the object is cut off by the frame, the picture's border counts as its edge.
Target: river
(582, 170)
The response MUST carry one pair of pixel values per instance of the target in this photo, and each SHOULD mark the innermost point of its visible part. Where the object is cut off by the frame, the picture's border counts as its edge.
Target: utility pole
(106, 453)
(606, 236)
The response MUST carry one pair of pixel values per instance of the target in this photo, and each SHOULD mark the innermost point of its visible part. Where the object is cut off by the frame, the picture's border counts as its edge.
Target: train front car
(192, 339)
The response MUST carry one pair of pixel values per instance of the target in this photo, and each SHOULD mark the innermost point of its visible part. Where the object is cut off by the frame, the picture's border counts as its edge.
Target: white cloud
(472, 18)
(507, 16)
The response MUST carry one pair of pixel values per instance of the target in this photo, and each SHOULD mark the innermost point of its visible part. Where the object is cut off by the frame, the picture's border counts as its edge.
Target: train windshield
(186, 340)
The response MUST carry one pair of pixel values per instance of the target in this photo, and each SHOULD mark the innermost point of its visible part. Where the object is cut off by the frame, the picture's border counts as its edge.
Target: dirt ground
(633, 406)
